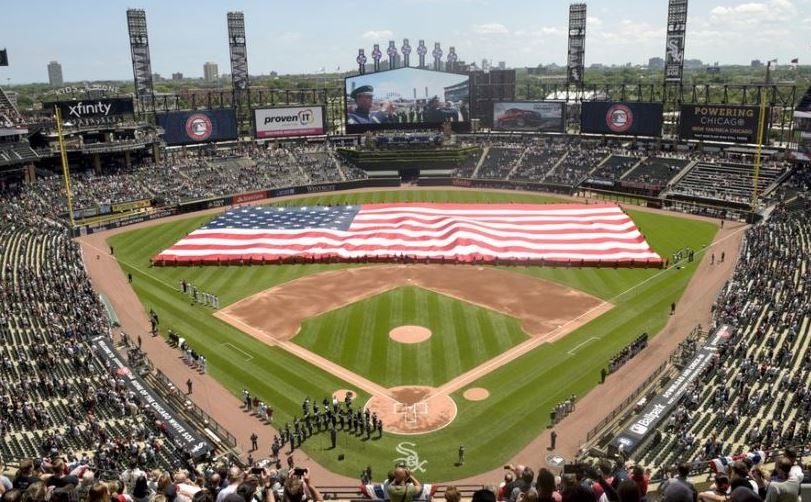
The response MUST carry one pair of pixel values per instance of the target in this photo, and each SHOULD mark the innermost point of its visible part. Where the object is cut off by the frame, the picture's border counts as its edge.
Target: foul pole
(65, 169)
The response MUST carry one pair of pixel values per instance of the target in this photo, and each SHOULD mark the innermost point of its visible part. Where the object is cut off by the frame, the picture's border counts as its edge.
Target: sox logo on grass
(578, 233)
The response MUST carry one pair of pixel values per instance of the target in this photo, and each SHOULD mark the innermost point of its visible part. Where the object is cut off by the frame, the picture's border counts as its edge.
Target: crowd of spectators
(187, 176)
(59, 396)
(755, 394)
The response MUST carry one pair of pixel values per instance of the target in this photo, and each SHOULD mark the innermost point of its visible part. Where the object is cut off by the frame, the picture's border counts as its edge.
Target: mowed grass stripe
(521, 393)
(462, 327)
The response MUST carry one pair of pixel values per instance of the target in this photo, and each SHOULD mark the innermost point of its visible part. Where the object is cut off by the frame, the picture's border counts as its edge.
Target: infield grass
(521, 393)
(463, 336)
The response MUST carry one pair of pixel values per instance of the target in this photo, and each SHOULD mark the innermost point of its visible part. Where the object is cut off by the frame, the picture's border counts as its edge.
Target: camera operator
(405, 487)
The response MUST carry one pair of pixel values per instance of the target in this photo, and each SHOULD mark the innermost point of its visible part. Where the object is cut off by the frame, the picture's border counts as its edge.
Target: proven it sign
(289, 121)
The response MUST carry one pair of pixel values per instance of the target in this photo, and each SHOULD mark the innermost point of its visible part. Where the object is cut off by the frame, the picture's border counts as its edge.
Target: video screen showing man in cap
(363, 97)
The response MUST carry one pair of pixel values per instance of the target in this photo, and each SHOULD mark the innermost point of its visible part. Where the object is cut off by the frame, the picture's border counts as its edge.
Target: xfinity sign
(98, 111)
(289, 121)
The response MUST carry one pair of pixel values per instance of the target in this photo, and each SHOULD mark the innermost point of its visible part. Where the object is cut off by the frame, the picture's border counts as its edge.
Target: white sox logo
(619, 118)
(674, 53)
(410, 457)
(199, 127)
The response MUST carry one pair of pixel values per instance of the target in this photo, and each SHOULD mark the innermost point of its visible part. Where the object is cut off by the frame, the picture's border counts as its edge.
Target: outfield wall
(231, 200)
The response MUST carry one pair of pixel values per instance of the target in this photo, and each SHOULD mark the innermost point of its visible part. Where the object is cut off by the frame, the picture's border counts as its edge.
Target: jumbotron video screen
(406, 98)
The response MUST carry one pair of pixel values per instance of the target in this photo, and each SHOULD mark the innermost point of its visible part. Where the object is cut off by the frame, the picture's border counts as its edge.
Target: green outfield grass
(521, 393)
(357, 337)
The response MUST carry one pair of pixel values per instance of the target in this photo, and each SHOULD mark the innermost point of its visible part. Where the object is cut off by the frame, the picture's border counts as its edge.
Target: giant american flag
(578, 233)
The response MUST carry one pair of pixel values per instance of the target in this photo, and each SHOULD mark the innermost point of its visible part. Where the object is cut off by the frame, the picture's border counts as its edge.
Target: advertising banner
(92, 112)
(660, 406)
(626, 118)
(192, 442)
(537, 116)
(731, 123)
(289, 121)
(187, 128)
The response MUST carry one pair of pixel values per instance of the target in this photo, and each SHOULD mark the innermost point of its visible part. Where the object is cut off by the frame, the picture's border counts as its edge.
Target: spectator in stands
(452, 494)
(679, 488)
(405, 487)
(783, 487)
(25, 475)
(545, 486)
(523, 485)
(718, 492)
(298, 488)
(235, 477)
(99, 493)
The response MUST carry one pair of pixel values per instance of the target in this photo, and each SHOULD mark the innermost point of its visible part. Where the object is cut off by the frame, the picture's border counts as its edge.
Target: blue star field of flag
(286, 218)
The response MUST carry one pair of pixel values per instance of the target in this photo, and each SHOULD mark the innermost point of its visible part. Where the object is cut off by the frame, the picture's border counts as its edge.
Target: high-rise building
(55, 73)
(210, 72)
(177, 76)
(156, 77)
(502, 65)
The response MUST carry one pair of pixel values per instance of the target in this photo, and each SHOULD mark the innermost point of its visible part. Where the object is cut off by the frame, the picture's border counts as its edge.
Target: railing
(192, 409)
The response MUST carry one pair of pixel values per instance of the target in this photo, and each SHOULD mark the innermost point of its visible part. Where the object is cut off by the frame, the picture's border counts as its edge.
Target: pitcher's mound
(410, 334)
(476, 394)
(413, 410)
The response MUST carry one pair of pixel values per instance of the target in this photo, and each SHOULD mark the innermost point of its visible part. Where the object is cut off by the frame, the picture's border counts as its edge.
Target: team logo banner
(289, 121)
(187, 128)
(540, 116)
(628, 119)
(731, 123)
(91, 112)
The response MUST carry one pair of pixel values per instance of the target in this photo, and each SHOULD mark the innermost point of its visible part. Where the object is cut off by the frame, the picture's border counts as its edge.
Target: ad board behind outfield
(731, 123)
(624, 118)
(92, 111)
(535, 116)
(288, 121)
(186, 128)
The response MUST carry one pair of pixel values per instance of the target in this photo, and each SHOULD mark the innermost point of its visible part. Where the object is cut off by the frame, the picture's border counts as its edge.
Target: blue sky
(89, 38)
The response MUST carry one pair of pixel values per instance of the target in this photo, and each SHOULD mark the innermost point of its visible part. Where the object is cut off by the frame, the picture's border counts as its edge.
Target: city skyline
(285, 39)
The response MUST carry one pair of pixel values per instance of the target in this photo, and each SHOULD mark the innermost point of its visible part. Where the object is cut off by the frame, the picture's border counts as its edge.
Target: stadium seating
(57, 396)
(725, 181)
(656, 171)
(498, 163)
(756, 394)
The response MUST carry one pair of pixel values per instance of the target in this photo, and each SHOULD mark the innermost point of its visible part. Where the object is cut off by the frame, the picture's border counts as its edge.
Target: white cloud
(378, 35)
(490, 29)
(752, 13)
(594, 22)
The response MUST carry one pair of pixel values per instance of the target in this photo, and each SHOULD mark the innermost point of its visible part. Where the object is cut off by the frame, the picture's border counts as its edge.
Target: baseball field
(527, 336)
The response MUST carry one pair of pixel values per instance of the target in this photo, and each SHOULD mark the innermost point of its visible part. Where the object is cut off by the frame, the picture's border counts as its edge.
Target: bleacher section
(538, 160)
(499, 162)
(756, 394)
(725, 182)
(611, 170)
(574, 168)
(16, 153)
(656, 172)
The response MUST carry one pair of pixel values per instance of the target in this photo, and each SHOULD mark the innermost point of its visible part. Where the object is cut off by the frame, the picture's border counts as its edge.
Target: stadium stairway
(485, 153)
